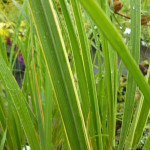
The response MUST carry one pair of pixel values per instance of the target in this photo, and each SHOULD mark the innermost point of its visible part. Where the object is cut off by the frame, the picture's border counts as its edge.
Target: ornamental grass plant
(74, 56)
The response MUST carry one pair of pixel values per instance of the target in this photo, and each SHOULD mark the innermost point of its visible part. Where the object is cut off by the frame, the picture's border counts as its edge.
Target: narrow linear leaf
(19, 103)
(141, 122)
(60, 73)
(129, 139)
(118, 44)
(48, 112)
(134, 47)
(3, 140)
(83, 88)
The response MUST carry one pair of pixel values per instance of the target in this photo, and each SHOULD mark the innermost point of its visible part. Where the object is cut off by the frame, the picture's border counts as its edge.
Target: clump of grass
(62, 103)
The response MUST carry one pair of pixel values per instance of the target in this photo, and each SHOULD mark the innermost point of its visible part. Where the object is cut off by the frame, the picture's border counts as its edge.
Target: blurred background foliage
(9, 14)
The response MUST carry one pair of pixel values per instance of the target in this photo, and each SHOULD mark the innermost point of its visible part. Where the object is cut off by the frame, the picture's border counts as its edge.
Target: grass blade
(19, 103)
(130, 138)
(134, 47)
(78, 60)
(3, 140)
(118, 44)
(60, 73)
(48, 112)
(87, 65)
(141, 122)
